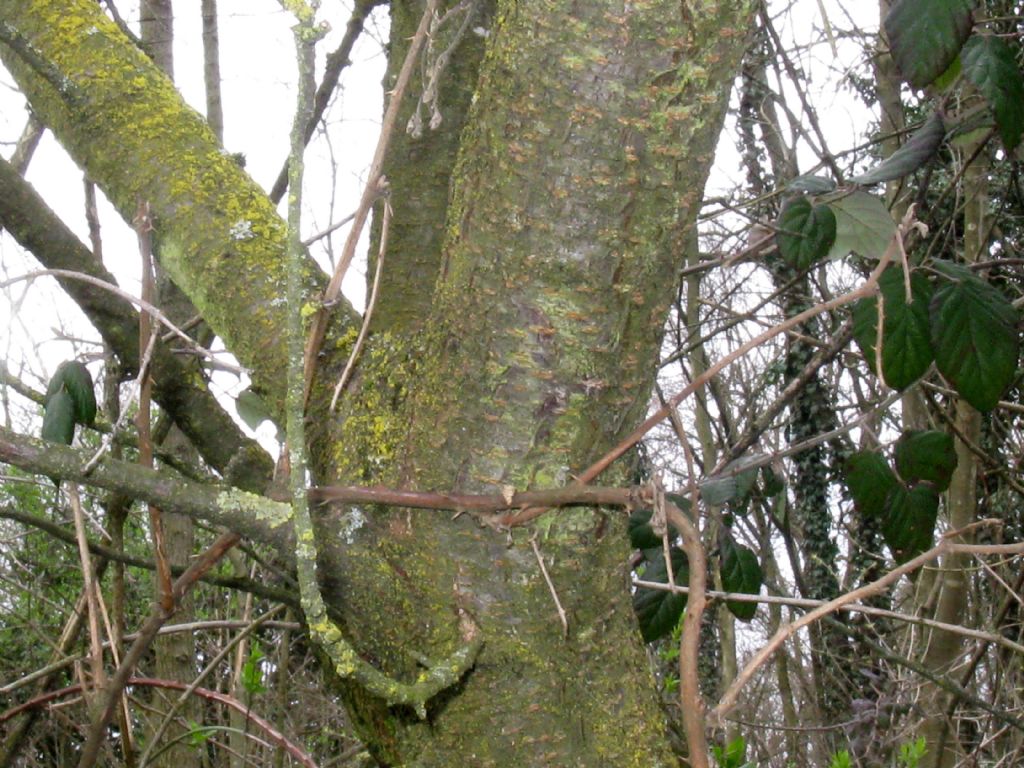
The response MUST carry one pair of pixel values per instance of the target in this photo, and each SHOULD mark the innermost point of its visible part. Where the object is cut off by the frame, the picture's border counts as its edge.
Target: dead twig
(554, 593)
(370, 305)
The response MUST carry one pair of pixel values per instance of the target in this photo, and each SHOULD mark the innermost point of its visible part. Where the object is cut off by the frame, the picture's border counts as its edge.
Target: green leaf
(659, 611)
(641, 535)
(198, 735)
(974, 334)
(989, 62)
(733, 483)
(732, 755)
(252, 671)
(772, 482)
(947, 78)
(906, 334)
(805, 233)
(919, 149)
(740, 573)
(864, 226)
(59, 418)
(870, 480)
(908, 524)
(925, 36)
(926, 456)
(816, 185)
(75, 378)
(251, 408)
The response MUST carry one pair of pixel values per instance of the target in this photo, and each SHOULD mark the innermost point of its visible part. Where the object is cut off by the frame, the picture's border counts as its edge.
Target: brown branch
(162, 612)
(945, 545)
(488, 502)
(694, 720)
(144, 230)
(371, 304)
(205, 693)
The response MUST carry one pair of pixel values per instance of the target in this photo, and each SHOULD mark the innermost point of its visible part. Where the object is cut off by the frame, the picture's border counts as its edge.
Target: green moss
(260, 508)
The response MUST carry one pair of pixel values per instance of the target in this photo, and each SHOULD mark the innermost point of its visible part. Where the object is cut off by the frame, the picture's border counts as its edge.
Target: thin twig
(250, 627)
(945, 545)
(370, 306)
(222, 698)
(159, 616)
(371, 192)
(554, 593)
(111, 288)
(333, 228)
(90, 589)
(869, 610)
(144, 230)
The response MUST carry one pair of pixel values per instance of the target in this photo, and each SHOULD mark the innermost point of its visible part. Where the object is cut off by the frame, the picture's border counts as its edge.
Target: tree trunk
(532, 351)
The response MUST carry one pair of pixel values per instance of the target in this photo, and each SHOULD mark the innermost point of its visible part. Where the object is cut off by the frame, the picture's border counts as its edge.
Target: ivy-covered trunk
(528, 348)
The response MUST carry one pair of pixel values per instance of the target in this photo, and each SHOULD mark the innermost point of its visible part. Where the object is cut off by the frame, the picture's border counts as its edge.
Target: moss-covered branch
(177, 389)
(219, 236)
(254, 517)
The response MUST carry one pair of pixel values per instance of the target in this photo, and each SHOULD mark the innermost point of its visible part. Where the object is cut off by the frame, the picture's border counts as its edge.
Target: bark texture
(529, 351)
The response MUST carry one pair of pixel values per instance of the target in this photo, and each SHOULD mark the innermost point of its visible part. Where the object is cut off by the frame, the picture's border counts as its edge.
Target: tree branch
(254, 517)
(194, 409)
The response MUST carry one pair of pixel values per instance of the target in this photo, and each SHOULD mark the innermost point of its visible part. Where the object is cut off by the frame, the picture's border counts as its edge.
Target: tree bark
(532, 352)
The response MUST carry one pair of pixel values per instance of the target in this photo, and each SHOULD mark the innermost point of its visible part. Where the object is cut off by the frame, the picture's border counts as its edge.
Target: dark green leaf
(659, 611)
(772, 482)
(926, 455)
(740, 573)
(908, 525)
(75, 378)
(919, 149)
(641, 536)
(59, 418)
(990, 63)
(864, 226)
(816, 185)
(870, 481)
(925, 36)
(906, 335)
(805, 233)
(733, 483)
(251, 408)
(974, 334)
(947, 78)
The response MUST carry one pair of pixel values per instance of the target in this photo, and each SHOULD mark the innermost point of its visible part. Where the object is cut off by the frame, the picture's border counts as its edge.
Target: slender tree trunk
(211, 69)
(954, 578)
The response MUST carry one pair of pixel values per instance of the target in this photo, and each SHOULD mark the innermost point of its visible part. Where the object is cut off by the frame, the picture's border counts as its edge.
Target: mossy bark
(580, 173)
(420, 163)
(121, 119)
